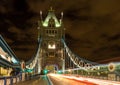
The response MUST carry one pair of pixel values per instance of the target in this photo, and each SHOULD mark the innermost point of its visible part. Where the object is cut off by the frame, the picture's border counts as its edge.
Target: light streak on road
(66, 80)
(96, 81)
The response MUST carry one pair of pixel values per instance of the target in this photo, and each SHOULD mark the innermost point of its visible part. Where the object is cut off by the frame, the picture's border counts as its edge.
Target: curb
(49, 81)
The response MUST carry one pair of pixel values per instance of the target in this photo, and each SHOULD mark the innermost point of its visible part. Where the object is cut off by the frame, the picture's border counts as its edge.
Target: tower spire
(41, 15)
(61, 17)
(51, 9)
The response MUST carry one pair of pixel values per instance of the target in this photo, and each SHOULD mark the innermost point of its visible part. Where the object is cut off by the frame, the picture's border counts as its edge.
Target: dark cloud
(115, 37)
(92, 27)
(20, 6)
(107, 52)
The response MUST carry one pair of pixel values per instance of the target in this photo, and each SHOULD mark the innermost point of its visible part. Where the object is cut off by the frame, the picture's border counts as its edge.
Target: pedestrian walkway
(37, 81)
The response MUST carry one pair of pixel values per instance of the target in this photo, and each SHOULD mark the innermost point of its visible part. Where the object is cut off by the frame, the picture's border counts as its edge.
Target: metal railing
(84, 73)
(11, 80)
(18, 78)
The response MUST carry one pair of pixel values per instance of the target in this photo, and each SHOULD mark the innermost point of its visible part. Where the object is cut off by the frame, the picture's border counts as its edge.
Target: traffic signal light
(45, 71)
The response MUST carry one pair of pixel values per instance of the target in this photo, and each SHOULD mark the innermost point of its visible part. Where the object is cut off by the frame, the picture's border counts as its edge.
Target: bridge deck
(36, 81)
(56, 79)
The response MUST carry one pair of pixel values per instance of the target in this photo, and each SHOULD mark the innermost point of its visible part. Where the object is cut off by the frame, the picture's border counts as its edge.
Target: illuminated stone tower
(51, 32)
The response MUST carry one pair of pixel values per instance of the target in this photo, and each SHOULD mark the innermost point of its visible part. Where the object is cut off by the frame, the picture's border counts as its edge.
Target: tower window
(51, 45)
(51, 22)
(47, 31)
(52, 31)
(55, 31)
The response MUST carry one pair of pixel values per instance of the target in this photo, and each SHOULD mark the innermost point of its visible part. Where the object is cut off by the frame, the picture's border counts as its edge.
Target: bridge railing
(11, 80)
(93, 74)
(16, 79)
(4, 62)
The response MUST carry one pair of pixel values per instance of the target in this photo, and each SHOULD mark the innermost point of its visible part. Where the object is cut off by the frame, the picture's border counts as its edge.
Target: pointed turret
(51, 19)
(51, 26)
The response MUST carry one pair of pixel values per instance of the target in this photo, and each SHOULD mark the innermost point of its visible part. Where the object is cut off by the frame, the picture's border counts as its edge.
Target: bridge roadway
(53, 80)
(56, 79)
(42, 80)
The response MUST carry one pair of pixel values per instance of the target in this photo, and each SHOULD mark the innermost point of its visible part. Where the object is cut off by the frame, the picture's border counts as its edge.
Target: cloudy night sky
(92, 26)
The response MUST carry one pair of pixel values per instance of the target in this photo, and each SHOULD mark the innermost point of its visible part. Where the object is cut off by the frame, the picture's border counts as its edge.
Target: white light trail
(96, 81)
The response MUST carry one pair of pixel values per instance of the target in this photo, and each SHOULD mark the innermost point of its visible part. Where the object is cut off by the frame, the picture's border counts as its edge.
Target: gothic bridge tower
(51, 31)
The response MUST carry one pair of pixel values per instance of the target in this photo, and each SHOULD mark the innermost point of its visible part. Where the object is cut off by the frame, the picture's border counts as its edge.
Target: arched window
(51, 22)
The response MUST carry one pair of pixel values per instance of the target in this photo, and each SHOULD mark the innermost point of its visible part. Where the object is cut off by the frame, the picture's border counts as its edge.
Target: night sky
(92, 26)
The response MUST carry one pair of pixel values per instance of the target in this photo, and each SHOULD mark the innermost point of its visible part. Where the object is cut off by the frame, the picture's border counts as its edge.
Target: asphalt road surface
(57, 80)
(37, 81)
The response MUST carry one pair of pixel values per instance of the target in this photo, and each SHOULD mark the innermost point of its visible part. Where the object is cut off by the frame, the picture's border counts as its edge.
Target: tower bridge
(54, 56)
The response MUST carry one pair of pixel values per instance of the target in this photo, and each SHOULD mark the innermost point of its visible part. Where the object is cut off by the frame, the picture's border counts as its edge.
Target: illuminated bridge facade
(52, 56)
